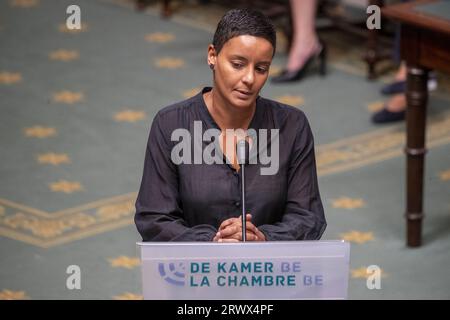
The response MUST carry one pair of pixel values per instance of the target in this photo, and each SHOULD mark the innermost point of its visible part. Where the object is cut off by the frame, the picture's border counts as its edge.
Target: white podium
(251, 270)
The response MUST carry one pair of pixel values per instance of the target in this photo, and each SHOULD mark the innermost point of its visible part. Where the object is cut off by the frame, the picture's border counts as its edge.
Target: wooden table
(425, 45)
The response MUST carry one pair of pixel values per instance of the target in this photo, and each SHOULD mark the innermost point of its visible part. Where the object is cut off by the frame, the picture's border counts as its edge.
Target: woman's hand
(230, 230)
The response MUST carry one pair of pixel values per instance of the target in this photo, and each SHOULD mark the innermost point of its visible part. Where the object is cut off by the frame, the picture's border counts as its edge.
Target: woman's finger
(226, 223)
(228, 231)
(228, 240)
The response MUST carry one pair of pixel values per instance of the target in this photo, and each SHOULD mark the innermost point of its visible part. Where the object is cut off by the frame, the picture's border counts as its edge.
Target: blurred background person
(306, 45)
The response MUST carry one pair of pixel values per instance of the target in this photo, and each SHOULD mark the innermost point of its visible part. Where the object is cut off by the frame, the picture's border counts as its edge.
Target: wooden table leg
(416, 114)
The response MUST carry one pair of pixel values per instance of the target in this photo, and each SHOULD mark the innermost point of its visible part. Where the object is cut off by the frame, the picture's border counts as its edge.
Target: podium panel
(251, 270)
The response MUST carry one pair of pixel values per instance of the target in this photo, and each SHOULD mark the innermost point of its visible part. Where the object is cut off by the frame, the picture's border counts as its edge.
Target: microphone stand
(242, 154)
(244, 220)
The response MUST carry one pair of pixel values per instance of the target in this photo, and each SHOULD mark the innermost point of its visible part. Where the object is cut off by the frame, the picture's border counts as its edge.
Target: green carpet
(75, 114)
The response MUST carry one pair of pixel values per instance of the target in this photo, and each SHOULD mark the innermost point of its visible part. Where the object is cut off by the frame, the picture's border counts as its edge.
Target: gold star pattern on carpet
(68, 97)
(348, 203)
(290, 100)
(375, 106)
(12, 295)
(362, 273)
(169, 63)
(129, 296)
(65, 186)
(129, 116)
(24, 3)
(64, 55)
(63, 28)
(40, 132)
(359, 273)
(357, 236)
(445, 175)
(10, 77)
(160, 37)
(53, 158)
(125, 262)
(191, 92)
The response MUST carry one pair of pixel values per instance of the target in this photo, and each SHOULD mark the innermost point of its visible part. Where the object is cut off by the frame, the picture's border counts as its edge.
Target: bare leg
(305, 41)
(401, 72)
(398, 102)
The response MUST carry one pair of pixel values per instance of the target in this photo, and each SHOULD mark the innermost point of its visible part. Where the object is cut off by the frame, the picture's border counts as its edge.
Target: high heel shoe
(296, 75)
(386, 116)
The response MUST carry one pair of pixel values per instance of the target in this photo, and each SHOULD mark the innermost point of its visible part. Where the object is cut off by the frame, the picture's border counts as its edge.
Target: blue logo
(172, 273)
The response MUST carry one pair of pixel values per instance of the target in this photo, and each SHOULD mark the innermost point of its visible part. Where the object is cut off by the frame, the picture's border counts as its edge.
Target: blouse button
(237, 203)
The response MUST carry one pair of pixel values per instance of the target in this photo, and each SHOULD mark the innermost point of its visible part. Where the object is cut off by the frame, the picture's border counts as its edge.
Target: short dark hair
(239, 22)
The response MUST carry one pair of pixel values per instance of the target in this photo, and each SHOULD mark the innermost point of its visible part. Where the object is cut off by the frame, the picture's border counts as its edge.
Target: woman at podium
(191, 183)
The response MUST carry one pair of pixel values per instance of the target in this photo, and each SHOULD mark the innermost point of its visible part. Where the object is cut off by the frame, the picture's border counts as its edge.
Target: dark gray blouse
(188, 202)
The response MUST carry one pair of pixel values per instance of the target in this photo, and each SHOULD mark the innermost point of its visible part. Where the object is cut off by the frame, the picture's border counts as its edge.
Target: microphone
(242, 152)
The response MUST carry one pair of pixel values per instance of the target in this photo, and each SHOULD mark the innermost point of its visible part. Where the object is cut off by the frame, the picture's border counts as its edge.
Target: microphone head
(242, 151)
